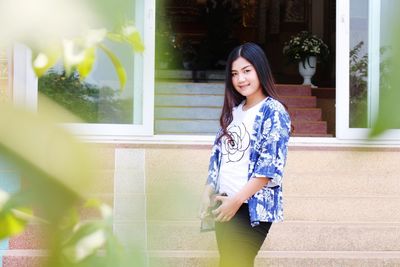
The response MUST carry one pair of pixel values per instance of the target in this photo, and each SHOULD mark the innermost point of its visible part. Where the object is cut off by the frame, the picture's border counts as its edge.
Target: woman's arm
(230, 205)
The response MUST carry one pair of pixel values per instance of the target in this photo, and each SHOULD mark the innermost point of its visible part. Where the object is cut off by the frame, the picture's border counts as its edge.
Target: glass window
(370, 32)
(106, 111)
(363, 57)
(358, 63)
(99, 98)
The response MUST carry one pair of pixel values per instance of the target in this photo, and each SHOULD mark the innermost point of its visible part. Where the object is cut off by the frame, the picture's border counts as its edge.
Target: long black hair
(256, 56)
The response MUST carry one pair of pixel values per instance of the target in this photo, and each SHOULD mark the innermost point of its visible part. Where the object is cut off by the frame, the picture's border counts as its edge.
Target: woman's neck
(253, 100)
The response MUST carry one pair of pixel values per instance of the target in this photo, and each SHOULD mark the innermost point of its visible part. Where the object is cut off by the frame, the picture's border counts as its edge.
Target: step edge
(334, 224)
(282, 254)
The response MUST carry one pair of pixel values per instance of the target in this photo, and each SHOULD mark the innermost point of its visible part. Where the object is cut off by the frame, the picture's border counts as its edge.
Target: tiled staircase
(338, 212)
(332, 218)
(194, 108)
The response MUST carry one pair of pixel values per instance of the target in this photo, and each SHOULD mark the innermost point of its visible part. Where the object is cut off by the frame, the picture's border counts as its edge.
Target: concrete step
(305, 114)
(331, 175)
(189, 108)
(188, 126)
(201, 258)
(188, 100)
(300, 101)
(199, 114)
(304, 207)
(217, 88)
(309, 127)
(281, 259)
(202, 113)
(322, 236)
(195, 258)
(182, 88)
(293, 90)
(314, 184)
(332, 172)
(181, 74)
(343, 208)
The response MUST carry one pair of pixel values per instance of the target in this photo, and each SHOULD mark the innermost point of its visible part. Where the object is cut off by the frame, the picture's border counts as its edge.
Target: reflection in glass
(4, 76)
(358, 64)
(98, 98)
(362, 91)
(91, 102)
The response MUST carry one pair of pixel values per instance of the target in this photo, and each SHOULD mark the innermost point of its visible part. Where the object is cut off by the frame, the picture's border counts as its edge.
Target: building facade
(341, 191)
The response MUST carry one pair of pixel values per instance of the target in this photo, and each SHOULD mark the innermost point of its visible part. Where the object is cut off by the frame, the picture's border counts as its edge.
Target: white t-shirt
(236, 153)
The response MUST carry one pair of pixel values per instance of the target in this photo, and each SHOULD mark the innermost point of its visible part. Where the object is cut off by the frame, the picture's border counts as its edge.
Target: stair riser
(189, 88)
(210, 125)
(300, 102)
(261, 261)
(305, 114)
(293, 90)
(313, 236)
(294, 182)
(188, 74)
(217, 101)
(218, 89)
(185, 127)
(333, 208)
(302, 127)
(279, 262)
(189, 101)
(214, 113)
(187, 113)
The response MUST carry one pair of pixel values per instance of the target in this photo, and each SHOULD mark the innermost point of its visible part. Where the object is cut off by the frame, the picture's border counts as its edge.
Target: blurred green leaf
(13, 218)
(42, 61)
(11, 225)
(132, 36)
(85, 241)
(86, 65)
(115, 37)
(55, 164)
(117, 65)
(389, 108)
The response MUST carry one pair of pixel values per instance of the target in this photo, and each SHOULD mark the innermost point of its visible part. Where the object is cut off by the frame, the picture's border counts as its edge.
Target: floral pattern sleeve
(272, 146)
(213, 168)
(269, 141)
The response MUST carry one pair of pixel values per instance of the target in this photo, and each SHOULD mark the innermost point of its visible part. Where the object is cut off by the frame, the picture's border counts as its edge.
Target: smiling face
(245, 79)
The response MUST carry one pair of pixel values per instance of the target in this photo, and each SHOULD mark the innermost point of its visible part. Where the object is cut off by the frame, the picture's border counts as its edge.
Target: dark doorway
(196, 35)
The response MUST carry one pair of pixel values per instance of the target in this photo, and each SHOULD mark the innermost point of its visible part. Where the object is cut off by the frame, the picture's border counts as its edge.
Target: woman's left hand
(228, 208)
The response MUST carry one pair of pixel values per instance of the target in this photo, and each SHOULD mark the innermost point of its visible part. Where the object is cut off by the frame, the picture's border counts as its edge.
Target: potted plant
(305, 49)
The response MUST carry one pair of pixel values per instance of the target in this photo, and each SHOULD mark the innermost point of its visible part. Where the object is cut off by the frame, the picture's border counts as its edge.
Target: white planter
(307, 70)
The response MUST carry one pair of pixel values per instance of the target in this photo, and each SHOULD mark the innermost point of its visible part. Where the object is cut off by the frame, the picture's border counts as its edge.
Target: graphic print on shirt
(235, 148)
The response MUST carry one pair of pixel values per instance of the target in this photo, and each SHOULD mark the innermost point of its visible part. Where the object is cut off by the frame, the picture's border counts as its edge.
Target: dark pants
(238, 242)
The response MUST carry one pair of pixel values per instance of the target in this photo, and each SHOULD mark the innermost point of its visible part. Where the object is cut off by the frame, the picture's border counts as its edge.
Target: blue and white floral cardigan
(269, 141)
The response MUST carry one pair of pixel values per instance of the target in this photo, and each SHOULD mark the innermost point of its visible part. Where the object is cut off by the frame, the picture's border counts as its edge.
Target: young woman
(248, 157)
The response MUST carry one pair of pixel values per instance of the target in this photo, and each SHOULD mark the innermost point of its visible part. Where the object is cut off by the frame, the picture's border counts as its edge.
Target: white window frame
(25, 86)
(24, 81)
(343, 130)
